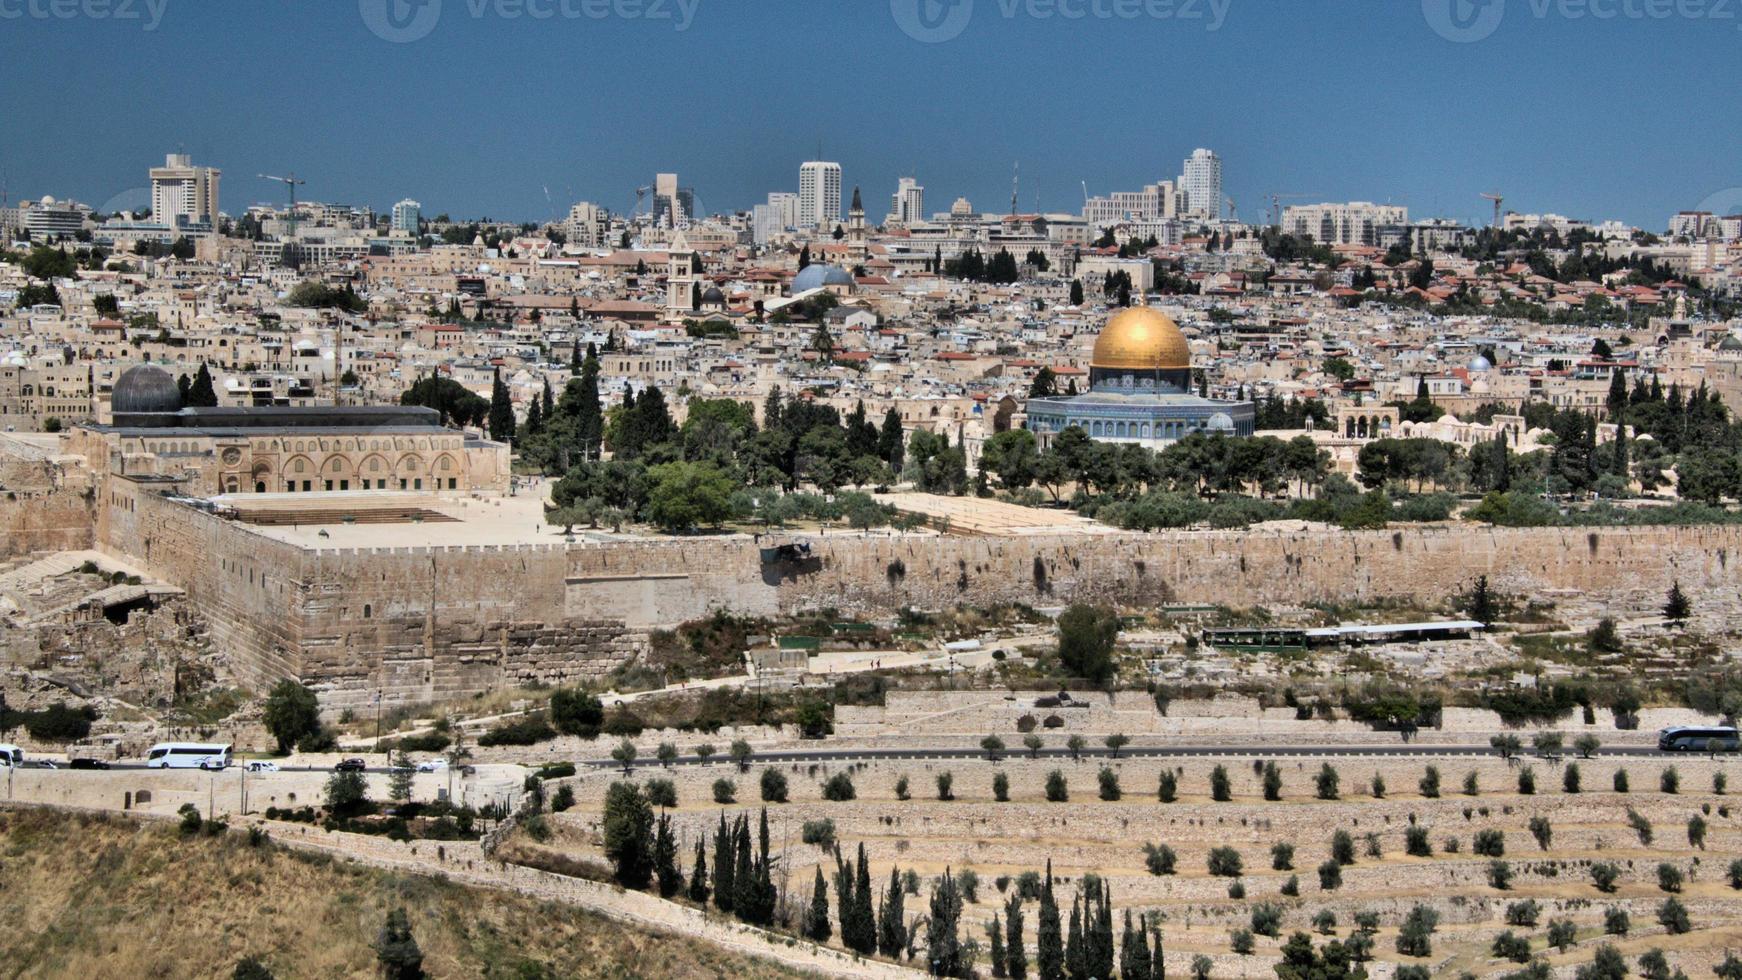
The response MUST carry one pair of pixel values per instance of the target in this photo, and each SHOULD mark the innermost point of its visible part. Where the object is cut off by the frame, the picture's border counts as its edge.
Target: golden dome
(1142, 339)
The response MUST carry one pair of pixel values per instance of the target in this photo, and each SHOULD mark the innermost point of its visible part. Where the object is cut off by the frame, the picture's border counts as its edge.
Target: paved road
(1145, 752)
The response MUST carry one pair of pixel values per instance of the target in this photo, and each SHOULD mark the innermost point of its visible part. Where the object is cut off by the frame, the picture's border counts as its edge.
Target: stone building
(313, 449)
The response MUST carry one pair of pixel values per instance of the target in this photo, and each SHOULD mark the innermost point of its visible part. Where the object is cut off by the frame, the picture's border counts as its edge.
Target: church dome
(1142, 339)
(818, 276)
(713, 295)
(145, 390)
(1480, 363)
(1730, 343)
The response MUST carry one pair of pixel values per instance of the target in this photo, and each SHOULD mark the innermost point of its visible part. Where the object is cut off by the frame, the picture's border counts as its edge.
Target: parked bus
(11, 757)
(183, 755)
(1684, 739)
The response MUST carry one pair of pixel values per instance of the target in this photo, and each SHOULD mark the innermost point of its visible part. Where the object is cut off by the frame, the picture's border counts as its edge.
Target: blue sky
(1626, 116)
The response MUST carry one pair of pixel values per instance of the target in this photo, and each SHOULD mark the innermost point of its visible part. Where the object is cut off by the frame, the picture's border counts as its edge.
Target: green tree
(627, 830)
(346, 793)
(576, 711)
(202, 394)
(501, 424)
(817, 924)
(1087, 636)
(1677, 608)
(292, 713)
(396, 951)
(683, 496)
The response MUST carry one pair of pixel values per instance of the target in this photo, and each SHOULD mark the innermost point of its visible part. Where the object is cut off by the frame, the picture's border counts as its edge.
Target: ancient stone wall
(422, 623)
(44, 520)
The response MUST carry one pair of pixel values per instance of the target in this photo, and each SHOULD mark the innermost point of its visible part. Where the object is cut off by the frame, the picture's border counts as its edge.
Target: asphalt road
(1017, 752)
(1129, 752)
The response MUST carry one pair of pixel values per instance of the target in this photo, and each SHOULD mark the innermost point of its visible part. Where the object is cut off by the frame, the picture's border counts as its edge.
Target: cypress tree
(844, 899)
(724, 858)
(1015, 953)
(501, 409)
(699, 873)
(184, 384)
(744, 875)
(547, 404)
(589, 417)
(765, 893)
(1134, 951)
(818, 927)
(534, 418)
(665, 859)
(995, 933)
(201, 394)
(1101, 954)
(891, 922)
(1076, 958)
(943, 944)
(1158, 960)
(864, 919)
(1050, 954)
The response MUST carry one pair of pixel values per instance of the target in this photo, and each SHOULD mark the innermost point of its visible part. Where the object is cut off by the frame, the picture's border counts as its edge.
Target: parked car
(87, 764)
(261, 765)
(434, 765)
(352, 765)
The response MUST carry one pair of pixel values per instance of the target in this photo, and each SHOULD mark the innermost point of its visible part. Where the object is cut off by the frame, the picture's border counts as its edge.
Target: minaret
(858, 246)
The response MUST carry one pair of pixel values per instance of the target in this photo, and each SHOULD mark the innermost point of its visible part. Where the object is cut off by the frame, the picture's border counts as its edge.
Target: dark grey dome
(714, 295)
(144, 390)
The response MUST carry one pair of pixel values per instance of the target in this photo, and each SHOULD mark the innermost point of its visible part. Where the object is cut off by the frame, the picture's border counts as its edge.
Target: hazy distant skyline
(485, 109)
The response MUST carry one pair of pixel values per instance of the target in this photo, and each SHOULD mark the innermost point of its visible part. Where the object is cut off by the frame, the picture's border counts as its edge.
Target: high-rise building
(184, 196)
(1202, 184)
(407, 218)
(1354, 223)
(907, 206)
(778, 215)
(673, 206)
(587, 226)
(819, 195)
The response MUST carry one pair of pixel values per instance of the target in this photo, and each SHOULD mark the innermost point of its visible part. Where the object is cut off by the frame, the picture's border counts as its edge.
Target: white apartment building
(907, 205)
(1704, 224)
(183, 195)
(587, 226)
(769, 221)
(1202, 183)
(1154, 202)
(819, 195)
(407, 217)
(1354, 223)
(52, 220)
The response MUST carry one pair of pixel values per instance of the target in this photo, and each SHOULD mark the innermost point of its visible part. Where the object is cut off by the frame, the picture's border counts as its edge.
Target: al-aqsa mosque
(1140, 390)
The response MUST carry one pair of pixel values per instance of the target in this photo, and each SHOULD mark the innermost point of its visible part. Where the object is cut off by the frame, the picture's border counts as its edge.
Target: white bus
(183, 755)
(11, 757)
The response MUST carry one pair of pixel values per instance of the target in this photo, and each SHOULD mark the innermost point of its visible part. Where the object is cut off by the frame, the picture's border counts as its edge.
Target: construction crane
(1276, 205)
(1497, 199)
(1015, 186)
(292, 183)
(640, 195)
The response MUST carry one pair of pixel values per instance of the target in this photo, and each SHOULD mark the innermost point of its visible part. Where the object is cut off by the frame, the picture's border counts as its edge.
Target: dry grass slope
(93, 897)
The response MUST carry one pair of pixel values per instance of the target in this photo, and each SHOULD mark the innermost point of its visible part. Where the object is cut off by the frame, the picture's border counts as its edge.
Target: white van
(11, 757)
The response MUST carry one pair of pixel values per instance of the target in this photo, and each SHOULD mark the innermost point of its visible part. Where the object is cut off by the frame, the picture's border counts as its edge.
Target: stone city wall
(422, 623)
(43, 520)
